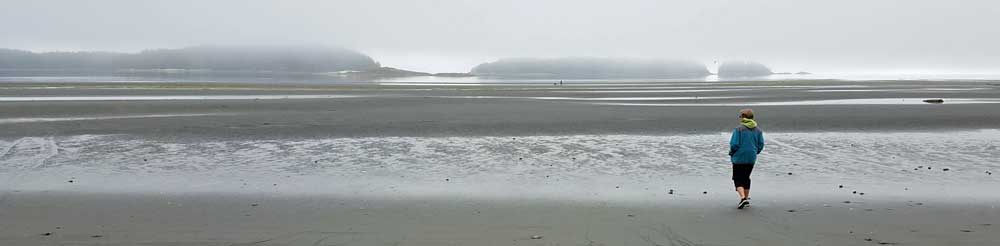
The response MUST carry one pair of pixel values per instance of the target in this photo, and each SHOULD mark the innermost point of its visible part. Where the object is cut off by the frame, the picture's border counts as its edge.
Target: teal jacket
(746, 143)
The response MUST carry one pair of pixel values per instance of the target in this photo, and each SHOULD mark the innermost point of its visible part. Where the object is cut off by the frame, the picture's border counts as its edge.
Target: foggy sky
(454, 35)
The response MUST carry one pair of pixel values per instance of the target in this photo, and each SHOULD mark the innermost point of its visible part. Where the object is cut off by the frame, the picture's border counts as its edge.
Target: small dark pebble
(919, 203)
(447, 179)
(847, 201)
(520, 158)
(841, 186)
(144, 160)
(862, 193)
(946, 169)
(854, 192)
(275, 184)
(47, 234)
(671, 191)
(868, 239)
(704, 192)
(97, 236)
(617, 187)
(254, 205)
(71, 181)
(789, 173)
(791, 210)
(966, 230)
(928, 168)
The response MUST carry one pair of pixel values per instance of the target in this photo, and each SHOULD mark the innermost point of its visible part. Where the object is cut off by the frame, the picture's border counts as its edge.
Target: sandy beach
(226, 219)
(846, 163)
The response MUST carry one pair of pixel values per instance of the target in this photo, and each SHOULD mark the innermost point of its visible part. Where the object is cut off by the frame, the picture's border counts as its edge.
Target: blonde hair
(746, 113)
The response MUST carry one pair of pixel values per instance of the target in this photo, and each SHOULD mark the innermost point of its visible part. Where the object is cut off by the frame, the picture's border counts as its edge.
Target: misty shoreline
(339, 62)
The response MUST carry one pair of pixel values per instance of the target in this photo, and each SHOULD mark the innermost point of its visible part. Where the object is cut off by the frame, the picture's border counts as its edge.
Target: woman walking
(747, 141)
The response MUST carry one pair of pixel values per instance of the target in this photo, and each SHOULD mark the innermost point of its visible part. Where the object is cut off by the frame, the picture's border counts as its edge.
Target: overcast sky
(454, 35)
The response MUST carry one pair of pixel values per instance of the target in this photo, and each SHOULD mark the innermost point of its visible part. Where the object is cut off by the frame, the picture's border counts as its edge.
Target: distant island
(587, 67)
(210, 60)
(216, 58)
(738, 69)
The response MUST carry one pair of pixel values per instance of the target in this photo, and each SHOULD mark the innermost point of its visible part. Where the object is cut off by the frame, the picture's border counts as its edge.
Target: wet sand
(228, 219)
(413, 110)
(406, 164)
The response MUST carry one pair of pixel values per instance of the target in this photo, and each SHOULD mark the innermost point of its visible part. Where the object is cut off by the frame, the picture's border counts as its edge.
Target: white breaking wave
(577, 166)
(637, 156)
(592, 98)
(170, 98)
(862, 101)
(112, 117)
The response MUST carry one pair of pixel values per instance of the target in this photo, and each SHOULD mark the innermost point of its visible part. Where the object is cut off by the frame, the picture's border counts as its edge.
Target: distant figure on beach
(747, 141)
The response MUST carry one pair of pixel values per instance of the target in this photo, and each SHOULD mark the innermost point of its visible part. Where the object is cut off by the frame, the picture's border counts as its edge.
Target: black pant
(741, 175)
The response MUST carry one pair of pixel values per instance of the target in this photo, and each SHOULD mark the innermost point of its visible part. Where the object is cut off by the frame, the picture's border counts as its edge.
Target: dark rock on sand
(934, 100)
(47, 234)
(97, 236)
(946, 169)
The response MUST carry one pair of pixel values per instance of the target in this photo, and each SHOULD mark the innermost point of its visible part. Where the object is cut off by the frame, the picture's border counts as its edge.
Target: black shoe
(744, 203)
